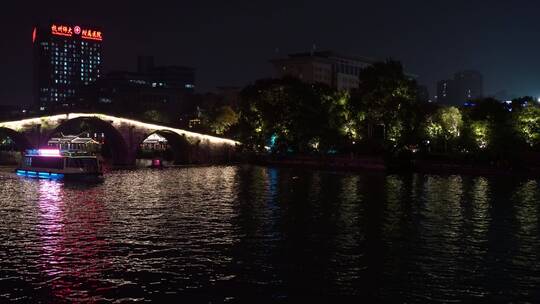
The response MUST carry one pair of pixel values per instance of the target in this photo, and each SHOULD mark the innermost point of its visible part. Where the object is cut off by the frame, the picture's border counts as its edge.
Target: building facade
(167, 89)
(66, 57)
(335, 70)
(76, 142)
(468, 85)
(154, 142)
(445, 91)
(465, 86)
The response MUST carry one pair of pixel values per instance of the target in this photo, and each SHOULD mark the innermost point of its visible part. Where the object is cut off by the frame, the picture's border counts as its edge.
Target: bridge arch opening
(175, 147)
(19, 142)
(113, 148)
(12, 143)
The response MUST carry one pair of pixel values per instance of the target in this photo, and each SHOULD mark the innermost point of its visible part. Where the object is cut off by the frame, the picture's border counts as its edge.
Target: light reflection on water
(72, 247)
(241, 233)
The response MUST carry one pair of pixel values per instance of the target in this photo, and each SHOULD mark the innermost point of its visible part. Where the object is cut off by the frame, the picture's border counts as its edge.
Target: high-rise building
(145, 63)
(422, 93)
(66, 57)
(445, 91)
(466, 85)
(326, 67)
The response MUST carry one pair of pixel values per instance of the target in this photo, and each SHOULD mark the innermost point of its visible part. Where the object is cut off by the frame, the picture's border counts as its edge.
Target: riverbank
(379, 164)
(371, 163)
(7, 168)
(356, 164)
(448, 167)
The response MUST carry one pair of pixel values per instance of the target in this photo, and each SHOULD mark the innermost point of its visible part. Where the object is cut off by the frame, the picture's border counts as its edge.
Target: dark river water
(255, 234)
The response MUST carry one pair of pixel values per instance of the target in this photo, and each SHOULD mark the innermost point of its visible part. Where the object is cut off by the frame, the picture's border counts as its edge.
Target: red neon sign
(62, 30)
(91, 34)
(34, 34)
(68, 31)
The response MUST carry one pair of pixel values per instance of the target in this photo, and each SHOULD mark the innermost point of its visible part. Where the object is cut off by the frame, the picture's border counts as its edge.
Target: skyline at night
(217, 38)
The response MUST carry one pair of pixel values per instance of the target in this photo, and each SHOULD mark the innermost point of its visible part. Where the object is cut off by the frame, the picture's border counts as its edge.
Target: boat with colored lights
(60, 164)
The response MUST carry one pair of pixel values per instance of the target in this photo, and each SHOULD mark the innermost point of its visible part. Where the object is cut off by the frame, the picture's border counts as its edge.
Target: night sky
(230, 42)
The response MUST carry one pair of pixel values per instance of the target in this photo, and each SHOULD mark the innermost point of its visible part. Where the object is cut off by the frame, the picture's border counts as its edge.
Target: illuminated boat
(57, 164)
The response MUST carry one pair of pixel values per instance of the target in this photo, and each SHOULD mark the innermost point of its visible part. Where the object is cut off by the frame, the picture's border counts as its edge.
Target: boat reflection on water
(72, 256)
(243, 233)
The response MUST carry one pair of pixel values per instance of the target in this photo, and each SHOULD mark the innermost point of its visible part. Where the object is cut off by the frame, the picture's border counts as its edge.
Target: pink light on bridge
(49, 152)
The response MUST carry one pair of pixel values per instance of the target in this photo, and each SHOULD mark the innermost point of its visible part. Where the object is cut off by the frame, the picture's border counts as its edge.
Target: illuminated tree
(489, 127)
(480, 131)
(451, 122)
(444, 126)
(385, 97)
(265, 109)
(433, 129)
(222, 119)
(290, 115)
(527, 125)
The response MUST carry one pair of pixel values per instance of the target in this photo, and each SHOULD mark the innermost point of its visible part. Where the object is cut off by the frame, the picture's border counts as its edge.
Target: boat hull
(82, 177)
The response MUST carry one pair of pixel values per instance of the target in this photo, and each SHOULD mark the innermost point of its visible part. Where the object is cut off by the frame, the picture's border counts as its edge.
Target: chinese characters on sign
(90, 34)
(63, 30)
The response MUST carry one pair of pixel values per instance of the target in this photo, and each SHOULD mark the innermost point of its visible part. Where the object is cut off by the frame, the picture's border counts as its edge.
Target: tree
(444, 126)
(156, 116)
(481, 133)
(290, 115)
(222, 119)
(384, 95)
(489, 127)
(488, 109)
(527, 125)
(521, 102)
(451, 122)
(263, 112)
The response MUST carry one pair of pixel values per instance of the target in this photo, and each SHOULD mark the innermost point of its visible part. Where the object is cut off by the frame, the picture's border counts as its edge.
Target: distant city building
(503, 95)
(335, 70)
(422, 94)
(445, 91)
(145, 64)
(230, 95)
(151, 87)
(10, 112)
(66, 57)
(469, 85)
(466, 85)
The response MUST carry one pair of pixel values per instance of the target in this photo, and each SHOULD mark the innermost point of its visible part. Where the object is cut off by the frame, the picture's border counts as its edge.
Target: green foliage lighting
(433, 130)
(527, 124)
(222, 119)
(451, 122)
(480, 132)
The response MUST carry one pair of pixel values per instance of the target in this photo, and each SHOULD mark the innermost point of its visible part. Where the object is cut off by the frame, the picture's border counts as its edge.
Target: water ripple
(240, 233)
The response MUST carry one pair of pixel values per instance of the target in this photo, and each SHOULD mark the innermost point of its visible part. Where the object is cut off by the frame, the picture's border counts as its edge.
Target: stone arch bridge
(123, 135)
